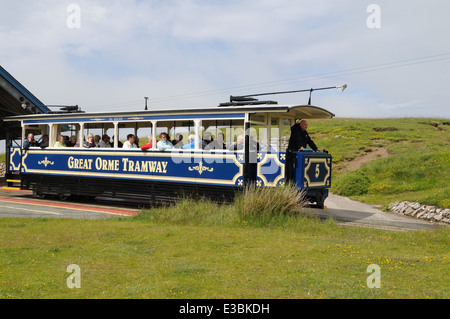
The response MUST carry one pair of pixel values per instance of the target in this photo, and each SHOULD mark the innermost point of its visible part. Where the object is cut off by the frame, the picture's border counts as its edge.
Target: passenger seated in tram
(254, 145)
(178, 141)
(29, 141)
(104, 142)
(66, 140)
(60, 142)
(191, 144)
(239, 145)
(90, 142)
(148, 145)
(207, 138)
(44, 142)
(164, 143)
(217, 144)
(97, 140)
(130, 142)
(72, 141)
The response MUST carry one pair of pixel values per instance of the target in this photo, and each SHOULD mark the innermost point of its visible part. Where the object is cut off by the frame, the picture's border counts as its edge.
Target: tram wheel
(320, 202)
(63, 196)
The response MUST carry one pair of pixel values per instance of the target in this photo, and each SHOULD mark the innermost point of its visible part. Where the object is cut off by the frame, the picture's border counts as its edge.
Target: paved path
(346, 212)
(15, 203)
(353, 213)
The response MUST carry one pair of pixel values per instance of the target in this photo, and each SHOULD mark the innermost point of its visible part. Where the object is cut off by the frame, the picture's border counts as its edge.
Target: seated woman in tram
(90, 142)
(164, 143)
(239, 145)
(60, 142)
(191, 143)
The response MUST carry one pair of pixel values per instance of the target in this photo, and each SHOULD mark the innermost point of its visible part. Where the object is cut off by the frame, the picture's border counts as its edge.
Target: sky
(107, 55)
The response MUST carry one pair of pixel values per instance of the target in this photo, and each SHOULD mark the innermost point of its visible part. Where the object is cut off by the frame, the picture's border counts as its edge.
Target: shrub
(354, 183)
(264, 204)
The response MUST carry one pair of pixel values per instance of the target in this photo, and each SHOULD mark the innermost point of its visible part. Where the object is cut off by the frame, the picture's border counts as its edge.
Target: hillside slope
(379, 161)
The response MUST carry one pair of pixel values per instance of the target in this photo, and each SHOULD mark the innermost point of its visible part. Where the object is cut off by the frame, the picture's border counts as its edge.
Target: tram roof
(299, 111)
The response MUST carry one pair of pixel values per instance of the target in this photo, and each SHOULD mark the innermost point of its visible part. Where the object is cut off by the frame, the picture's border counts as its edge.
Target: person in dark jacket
(300, 139)
(29, 141)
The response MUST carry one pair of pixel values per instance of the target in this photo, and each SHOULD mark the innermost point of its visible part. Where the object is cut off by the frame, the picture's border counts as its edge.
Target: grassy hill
(254, 248)
(405, 159)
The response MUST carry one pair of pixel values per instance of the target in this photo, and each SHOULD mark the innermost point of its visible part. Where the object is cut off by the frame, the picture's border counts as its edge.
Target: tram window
(39, 131)
(66, 130)
(233, 131)
(96, 129)
(275, 133)
(285, 134)
(258, 131)
(180, 131)
(141, 131)
(209, 132)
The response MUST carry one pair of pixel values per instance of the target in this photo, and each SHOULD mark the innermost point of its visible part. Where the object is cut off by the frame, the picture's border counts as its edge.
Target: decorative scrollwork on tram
(200, 168)
(46, 162)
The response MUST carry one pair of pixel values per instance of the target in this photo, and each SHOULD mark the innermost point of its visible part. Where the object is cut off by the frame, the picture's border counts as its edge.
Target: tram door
(13, 158)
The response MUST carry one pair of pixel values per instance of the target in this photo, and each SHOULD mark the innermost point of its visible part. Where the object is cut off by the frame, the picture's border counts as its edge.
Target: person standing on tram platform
(300, 138)
(298, 141)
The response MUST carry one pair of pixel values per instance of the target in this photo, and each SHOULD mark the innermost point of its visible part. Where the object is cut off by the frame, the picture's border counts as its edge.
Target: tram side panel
(151, 175)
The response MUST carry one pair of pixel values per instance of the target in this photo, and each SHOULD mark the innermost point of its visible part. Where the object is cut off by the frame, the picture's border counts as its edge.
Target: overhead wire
(358, 70)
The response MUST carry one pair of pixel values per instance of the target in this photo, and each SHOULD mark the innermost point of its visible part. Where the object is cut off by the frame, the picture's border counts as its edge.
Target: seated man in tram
(217, 144)
(97, 140)
(104, 142)
(164, 143)
(130, 142)
(72, 141)
(30, 141)
(60, 142)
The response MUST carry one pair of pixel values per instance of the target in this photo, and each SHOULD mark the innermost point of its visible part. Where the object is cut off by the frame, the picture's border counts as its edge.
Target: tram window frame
(56, 130)
(183, 127)
(141, 130)
(38, 130)
(259, 130)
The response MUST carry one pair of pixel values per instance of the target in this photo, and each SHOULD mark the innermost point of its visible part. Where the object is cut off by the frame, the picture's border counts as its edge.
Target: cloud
(196, 53)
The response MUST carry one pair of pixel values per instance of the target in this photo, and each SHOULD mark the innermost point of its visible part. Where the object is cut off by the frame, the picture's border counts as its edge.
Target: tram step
(13, 180)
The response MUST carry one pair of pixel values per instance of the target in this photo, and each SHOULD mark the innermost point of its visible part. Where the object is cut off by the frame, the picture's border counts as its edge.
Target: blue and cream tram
(159, 175)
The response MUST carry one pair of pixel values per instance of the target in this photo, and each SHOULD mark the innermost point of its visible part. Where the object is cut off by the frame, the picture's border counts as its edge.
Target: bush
(264, 204)
(354, 183)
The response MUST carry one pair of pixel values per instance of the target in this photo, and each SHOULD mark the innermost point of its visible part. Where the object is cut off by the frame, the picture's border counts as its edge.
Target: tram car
(222, 150)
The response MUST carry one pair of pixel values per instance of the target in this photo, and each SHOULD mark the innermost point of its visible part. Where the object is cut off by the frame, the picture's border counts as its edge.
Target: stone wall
(2, 169)
(430, 213)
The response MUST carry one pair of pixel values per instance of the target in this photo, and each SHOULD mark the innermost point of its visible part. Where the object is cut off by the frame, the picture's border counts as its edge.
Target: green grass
(199, 249)
(254, 248)
(418, 167)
